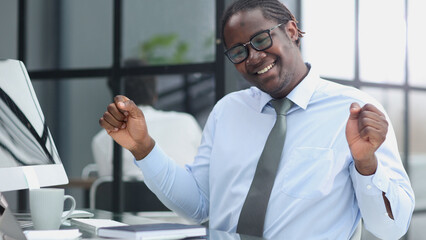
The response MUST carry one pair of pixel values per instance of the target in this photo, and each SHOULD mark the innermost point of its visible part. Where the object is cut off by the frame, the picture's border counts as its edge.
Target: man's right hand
(125, 123)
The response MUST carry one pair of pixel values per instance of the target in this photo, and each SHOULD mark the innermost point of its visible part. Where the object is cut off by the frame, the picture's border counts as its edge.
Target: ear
(291, 30)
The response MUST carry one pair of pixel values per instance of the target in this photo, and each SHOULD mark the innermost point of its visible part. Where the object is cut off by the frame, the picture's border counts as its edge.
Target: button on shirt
(318, 193)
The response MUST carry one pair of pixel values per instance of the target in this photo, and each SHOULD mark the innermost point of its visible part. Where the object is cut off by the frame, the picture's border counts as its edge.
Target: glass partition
(161, 32)
(86, 36)
(9, 29)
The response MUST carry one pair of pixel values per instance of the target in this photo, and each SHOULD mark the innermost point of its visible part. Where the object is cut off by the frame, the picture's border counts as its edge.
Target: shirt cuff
(373, 184)
(153, 163)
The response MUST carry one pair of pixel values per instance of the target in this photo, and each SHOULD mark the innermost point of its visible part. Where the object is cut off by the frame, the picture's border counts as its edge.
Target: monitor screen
(27, 151)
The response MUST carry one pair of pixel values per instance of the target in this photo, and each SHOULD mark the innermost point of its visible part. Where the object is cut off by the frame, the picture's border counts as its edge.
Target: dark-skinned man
(339, 161)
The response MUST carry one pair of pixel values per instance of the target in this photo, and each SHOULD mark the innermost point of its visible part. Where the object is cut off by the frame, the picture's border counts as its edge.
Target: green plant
(164, 49)
(209, 43)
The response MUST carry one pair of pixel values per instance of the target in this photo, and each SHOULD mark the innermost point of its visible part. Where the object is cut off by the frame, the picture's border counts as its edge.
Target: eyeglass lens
(259, 42)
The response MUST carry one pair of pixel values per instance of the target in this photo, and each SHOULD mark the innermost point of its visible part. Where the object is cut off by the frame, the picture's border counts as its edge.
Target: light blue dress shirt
(318, 193)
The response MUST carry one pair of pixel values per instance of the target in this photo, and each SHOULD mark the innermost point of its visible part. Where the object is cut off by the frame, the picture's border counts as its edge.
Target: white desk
(154, 217)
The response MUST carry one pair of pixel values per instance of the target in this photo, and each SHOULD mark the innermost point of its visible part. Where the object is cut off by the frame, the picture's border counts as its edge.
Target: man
(339, 162)
(177, 133)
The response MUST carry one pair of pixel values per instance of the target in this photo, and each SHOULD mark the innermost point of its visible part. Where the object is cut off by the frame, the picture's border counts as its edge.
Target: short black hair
(271, 9)
(141, 89)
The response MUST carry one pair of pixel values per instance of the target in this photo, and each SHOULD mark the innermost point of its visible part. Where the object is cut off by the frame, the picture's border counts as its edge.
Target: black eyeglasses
(261, 41)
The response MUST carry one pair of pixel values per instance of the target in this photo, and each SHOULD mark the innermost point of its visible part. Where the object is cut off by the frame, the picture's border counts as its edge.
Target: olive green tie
(252, 216)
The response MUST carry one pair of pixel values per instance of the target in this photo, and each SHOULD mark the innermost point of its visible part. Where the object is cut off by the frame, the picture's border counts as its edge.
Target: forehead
(242, 25)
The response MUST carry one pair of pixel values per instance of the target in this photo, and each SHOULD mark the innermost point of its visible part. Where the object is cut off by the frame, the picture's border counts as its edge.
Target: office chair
(90, 170)
(137, 196)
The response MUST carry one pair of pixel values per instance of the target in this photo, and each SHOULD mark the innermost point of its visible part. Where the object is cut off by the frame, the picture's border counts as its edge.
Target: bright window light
(382, 41)
(329, 42)
(416, 42)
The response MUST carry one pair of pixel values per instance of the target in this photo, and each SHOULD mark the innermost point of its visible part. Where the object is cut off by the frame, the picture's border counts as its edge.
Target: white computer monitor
(28, 155)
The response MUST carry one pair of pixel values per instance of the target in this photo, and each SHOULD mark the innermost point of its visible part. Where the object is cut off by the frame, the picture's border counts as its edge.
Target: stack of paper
(93, 224)
(67, 234)
(153, 231)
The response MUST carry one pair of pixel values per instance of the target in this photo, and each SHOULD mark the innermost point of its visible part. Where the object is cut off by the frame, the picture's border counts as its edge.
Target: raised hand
(365, 131)
(125, 123)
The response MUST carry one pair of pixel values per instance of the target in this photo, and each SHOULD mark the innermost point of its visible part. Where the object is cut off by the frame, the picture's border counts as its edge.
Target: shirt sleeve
(173, 185)
(183, 190)
(391, 179)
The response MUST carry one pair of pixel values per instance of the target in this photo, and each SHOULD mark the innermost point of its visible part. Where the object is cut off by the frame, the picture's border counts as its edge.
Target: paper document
(92, 224)
(153, 231)
(66, 234)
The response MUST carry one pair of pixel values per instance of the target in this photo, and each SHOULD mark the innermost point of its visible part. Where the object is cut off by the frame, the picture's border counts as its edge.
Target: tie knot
(281, 105)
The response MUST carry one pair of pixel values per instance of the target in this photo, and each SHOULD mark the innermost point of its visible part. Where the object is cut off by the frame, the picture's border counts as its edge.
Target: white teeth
(266, 69)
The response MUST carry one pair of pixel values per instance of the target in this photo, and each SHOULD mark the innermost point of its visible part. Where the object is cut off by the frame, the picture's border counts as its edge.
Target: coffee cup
(47, 205)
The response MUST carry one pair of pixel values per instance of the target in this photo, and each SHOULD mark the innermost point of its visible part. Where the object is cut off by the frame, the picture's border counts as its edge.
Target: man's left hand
(366, 130)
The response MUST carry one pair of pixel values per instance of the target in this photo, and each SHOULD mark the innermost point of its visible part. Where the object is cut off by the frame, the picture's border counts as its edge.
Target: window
(71, 49)
(330, 37)
(377, 46)
(171, 38)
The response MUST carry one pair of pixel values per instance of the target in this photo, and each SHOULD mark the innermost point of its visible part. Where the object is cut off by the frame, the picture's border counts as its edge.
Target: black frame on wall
(117, 72)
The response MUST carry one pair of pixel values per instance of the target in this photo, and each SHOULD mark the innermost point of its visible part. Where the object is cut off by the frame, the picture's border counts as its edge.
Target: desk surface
(129, 218)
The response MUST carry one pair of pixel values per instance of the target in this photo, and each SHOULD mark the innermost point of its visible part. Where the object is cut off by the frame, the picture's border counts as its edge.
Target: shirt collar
(264, 99)
(300, 95)
(303, 92)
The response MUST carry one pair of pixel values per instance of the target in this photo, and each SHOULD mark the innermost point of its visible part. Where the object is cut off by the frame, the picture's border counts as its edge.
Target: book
(153, 231)
(93, 224)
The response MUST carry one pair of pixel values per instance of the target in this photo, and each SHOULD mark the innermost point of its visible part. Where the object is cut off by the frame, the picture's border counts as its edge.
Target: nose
(254, 56)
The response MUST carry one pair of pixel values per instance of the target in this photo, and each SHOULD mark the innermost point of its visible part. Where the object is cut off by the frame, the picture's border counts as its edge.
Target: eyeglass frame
(250, 42)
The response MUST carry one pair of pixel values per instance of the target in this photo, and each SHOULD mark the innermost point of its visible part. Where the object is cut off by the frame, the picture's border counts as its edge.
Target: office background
(70, 50)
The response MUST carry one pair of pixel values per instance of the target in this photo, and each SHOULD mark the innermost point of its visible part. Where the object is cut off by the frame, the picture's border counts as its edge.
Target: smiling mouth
(266, 69)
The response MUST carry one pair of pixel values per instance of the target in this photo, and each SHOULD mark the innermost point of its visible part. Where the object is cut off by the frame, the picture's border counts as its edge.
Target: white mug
(47, 205)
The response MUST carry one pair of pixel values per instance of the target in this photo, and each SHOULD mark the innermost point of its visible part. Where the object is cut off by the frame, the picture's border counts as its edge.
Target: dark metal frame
(116, 72)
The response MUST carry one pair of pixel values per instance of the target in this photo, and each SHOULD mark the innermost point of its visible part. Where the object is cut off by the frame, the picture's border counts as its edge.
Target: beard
(284, 86)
